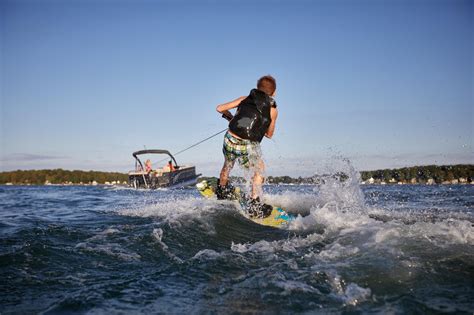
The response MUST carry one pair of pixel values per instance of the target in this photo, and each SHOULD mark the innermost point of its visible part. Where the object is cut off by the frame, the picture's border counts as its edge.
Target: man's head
(267, 84)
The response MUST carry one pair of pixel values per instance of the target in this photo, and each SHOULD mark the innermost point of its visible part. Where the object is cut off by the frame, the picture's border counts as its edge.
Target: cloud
(28, 157)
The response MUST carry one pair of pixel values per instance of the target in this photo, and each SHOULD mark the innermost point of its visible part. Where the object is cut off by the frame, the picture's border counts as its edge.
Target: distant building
(430, 181)
(413, 181)
(371, 180)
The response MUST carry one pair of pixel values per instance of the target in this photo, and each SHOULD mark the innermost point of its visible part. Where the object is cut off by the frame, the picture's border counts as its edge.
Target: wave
(340, 250)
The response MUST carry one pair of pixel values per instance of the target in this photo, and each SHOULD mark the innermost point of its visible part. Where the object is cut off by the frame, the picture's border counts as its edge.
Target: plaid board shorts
(245, 151)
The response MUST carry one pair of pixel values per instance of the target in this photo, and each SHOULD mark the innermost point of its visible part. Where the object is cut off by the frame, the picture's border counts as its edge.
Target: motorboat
(170, 175)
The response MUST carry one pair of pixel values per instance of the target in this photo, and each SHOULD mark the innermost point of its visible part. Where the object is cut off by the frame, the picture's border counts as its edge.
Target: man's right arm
(224, 108)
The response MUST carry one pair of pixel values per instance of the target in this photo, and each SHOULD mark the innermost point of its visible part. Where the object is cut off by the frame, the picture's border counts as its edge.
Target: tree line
(438, 173)
(59, 176)
(421, 173)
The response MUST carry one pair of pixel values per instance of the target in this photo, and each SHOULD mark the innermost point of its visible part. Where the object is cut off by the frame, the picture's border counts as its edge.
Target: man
(255, 118)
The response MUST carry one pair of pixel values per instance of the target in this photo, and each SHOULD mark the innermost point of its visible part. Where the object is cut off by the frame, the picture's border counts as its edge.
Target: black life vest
(252, 119)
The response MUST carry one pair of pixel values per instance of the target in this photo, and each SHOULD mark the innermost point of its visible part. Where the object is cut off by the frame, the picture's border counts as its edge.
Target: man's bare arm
(271, 128)
(224, 108)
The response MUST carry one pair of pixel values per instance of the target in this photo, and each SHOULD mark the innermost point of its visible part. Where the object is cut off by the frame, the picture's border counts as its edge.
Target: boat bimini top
(135, 155)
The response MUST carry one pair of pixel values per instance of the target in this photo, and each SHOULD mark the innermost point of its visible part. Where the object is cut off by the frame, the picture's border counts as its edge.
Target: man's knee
(258, 178)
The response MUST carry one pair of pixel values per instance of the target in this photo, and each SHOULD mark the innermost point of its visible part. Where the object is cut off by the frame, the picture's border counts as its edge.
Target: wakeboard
(278, 217)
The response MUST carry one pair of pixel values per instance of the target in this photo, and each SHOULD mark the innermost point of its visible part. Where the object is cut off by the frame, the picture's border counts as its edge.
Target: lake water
(354, 249)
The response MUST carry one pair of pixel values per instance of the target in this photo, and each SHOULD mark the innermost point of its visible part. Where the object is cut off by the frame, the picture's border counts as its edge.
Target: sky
(381, 84)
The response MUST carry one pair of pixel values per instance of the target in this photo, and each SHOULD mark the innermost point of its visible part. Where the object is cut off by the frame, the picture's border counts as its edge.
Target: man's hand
(227, 115)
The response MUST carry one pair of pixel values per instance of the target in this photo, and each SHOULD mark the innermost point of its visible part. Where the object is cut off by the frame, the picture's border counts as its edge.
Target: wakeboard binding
(258, 209)
(226, 192)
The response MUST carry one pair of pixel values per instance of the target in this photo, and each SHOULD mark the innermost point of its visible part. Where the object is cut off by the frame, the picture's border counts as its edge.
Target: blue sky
(381, 83)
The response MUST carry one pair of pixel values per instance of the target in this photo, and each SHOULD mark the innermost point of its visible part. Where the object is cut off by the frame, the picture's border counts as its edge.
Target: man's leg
(256, 207)
(223, 189)
(258, 179)
(224, 176)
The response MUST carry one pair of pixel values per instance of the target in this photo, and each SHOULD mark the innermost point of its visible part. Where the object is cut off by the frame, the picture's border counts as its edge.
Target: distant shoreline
(266, 184)
(415, 175)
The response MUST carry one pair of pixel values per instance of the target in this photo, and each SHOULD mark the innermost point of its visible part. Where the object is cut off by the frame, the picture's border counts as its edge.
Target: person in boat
(254, 119)
(171, 166)
(148, 166)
